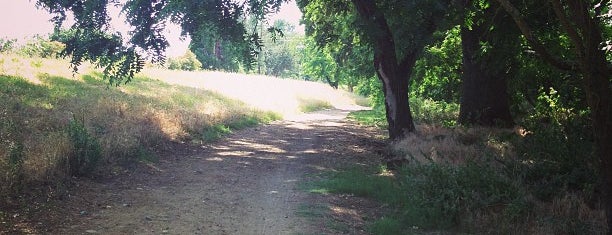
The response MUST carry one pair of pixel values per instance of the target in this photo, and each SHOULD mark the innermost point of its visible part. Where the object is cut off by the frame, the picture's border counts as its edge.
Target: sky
(20, 19)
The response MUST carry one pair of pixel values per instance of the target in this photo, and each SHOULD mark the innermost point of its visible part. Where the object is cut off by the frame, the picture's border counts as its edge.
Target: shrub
(41, 47)
(557, 153)
(187, 62)
(6, 45)
(86, 149)
(428, 111)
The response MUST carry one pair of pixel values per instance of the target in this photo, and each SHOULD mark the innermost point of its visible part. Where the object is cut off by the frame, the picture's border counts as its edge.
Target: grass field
(54, 124)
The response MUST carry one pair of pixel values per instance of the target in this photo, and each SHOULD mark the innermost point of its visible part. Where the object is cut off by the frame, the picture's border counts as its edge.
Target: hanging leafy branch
(90, 38)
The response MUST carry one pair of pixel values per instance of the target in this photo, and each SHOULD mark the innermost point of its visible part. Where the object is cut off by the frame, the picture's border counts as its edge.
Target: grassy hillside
(54, 124)
(285, 96)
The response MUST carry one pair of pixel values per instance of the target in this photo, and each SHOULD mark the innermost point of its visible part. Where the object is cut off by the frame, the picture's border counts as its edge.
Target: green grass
(428, 197)
(375, 117)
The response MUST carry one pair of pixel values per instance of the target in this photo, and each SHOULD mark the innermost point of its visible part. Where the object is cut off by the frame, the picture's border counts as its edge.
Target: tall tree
(397, 31)
(584, 22)
(488, 59)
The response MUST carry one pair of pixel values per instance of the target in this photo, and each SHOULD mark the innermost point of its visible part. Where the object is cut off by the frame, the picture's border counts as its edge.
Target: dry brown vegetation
(571, 212)
(41, 98)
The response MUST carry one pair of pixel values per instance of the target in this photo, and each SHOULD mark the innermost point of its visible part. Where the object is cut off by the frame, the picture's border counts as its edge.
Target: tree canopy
(90, 37)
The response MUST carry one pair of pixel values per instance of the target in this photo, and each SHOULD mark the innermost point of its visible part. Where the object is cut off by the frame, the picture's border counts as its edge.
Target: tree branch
(532, 40)
(567, 26)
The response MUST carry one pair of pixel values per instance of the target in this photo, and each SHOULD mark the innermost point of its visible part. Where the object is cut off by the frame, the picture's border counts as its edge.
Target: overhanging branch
(532, 40)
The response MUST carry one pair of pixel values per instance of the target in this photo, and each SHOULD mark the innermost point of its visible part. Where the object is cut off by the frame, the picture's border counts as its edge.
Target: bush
(428, 111)
(557, 153)
(41, 47)
(86, 149)
(6, 45)
(187, 62)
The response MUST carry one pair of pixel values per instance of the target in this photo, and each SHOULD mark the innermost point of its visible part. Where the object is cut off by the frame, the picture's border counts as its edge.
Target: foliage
(6, 45)
(558, 149)
(105, 50)
(187, 62)
(437, 73)
(429, 196)
(428, 111)
(425, 111)
(89, 38)
(335, 52)
(87, 151)
(282, 54)
(42, 47)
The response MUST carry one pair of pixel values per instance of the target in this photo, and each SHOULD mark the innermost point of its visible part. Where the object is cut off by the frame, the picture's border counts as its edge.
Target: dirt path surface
(247, 183)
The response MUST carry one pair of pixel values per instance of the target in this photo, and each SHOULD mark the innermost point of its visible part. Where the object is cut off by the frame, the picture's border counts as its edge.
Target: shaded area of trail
(247, 183)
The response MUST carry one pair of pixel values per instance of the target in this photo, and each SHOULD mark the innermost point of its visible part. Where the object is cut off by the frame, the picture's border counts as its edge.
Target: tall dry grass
(570, 212)
(40, 97)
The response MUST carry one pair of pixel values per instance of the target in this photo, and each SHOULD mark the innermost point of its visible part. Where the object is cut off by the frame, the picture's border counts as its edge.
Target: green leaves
(106, 51)
(90, 39)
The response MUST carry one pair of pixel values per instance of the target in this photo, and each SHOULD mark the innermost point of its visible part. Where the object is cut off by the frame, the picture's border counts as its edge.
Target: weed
(15, 164)
(215, 132)
(424, 111)
(36, 63)
(86, 149)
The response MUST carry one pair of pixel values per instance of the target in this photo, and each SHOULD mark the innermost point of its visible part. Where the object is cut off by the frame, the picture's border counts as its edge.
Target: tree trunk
(484, 98)
(597, 76)
(599, 97)
(395, 89)
(393, 75)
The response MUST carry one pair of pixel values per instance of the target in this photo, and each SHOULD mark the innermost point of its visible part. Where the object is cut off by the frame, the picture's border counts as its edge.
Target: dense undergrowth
(539, 178)
(53, 126)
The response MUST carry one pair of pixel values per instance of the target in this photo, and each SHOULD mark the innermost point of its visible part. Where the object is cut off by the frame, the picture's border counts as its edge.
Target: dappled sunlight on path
(247, 183)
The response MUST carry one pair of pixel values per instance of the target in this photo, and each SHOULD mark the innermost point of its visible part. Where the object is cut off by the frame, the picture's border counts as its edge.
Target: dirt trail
(247, 183)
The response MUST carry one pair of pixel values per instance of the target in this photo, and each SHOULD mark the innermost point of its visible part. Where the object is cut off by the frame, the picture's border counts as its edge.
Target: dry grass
(284, 96)
(41, 96)
(457, 145)
(570, 213)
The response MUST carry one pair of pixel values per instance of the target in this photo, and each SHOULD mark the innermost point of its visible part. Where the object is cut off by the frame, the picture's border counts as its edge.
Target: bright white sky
(20, 19)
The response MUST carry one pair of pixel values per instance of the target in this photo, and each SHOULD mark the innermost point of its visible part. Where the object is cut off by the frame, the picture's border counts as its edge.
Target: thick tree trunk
(597, 77)
(484, 98)
(395, 89)
(599, 97)
(392, 74)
